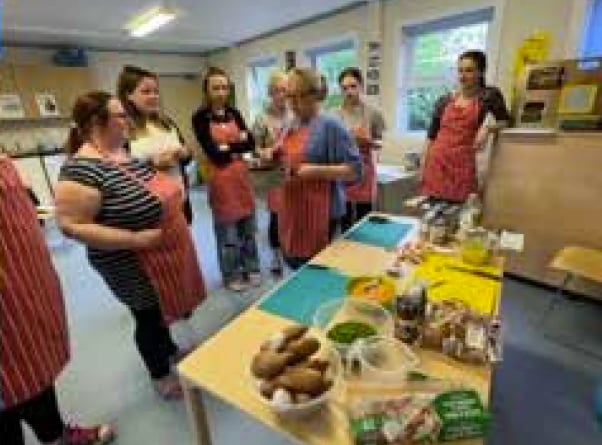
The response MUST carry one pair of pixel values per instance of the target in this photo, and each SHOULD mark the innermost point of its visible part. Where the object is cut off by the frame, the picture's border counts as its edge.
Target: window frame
(264, 61)
(587, 34)
(493, 8)
(342, 42)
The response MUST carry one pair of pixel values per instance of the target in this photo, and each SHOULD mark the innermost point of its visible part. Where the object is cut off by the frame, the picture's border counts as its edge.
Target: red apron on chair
(365, 190)
(230, 190)
(451, 171)
(304, 217)
(34, 343)
(172, 266)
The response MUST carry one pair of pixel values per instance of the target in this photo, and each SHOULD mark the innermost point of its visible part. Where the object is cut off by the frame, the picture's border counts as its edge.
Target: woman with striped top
(34, 342)
(319, 155)
(130, 217)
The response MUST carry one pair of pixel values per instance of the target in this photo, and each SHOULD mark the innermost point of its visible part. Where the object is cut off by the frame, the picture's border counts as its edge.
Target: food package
(453, 328)
(419, 418)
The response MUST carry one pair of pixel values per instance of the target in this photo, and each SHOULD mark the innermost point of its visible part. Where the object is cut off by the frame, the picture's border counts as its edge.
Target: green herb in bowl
(347, 332)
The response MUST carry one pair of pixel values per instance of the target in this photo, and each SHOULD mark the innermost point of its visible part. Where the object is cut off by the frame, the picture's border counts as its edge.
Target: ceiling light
(149, 21)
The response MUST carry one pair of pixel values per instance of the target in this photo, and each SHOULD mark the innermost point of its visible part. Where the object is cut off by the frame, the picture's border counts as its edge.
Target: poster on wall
(11, 107)
(290, 60)
(373, 70)
(47, 105)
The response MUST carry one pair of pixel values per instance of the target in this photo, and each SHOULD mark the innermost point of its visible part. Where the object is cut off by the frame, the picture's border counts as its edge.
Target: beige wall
(107, 65)
(350, 23)
(514, 21)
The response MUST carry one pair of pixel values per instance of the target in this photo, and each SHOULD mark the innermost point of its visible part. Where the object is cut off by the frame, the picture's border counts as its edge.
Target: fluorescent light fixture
(149, 21)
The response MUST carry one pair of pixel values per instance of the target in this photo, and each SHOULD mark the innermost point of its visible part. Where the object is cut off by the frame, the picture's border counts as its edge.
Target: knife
(478, 273)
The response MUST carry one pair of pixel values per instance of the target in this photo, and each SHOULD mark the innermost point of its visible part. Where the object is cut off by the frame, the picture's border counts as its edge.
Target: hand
(304, 171)
(481, 138)
(145, 239)
(266, 154)
(362, 136)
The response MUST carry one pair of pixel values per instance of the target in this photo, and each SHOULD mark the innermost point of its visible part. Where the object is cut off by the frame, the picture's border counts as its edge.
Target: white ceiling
(202, 25)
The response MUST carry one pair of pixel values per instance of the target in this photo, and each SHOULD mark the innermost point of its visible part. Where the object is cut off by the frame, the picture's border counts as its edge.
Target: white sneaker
(237, 285)
(255, 279)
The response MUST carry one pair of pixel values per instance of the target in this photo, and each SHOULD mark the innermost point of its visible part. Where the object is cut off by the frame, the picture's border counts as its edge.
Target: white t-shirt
(154, 140)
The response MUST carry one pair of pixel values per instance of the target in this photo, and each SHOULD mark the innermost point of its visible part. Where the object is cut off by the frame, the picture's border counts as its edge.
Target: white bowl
(305, 409)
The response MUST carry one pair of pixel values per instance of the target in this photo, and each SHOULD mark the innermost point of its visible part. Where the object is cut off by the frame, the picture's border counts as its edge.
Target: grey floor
(542, 394)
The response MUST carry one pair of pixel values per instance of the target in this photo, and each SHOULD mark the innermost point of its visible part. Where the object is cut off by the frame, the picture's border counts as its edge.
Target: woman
(154, 137)
(267, 129)
(130, 218)
(367, 126)
(34, 343)
(224, 137)
(457, 132)
(318, 154)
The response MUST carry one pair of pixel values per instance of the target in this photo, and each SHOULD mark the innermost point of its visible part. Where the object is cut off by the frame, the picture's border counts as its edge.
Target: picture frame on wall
(47, 105)
(11, 107)
(373, 90)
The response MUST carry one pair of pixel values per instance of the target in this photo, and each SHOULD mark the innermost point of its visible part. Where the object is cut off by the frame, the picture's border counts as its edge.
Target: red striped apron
(365, 190)
(304, 219)
(34, 342)
(230, 190)
(450, 171)
(173, 266)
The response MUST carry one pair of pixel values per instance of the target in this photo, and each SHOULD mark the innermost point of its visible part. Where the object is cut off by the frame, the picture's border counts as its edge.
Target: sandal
(93, 435)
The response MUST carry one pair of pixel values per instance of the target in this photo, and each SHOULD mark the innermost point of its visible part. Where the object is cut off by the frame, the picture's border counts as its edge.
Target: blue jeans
(236, 248)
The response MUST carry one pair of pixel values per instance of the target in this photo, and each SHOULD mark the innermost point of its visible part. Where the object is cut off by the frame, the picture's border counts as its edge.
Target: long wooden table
(221, 365)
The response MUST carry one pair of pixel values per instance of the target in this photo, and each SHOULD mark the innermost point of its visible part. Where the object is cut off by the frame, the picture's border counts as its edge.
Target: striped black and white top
(126, 204)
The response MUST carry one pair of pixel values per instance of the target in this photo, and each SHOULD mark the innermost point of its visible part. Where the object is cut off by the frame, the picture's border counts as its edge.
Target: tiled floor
(542, 394)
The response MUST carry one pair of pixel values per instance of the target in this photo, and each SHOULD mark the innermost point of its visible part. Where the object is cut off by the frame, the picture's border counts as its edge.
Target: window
(258, 76)
(330, 61)
(429, 56)
(592, 42)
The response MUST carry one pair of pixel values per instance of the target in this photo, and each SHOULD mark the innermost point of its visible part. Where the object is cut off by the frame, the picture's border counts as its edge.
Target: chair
(573, 261)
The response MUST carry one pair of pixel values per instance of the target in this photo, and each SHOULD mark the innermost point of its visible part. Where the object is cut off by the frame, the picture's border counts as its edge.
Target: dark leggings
(41, 413)
(355, 212)
(154, 341)
(273, 237)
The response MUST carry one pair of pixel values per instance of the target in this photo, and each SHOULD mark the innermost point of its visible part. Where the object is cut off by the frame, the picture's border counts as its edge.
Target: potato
(294, 332)
(267, 388)
(301, 380)
(318, 364)
(268, 364)
(303, 348)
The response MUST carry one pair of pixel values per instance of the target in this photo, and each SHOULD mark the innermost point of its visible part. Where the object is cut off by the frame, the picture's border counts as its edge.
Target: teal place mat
(303, 293)
(384, 234)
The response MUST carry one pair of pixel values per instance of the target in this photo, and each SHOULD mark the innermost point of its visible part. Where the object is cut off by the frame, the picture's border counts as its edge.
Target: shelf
(34, 154)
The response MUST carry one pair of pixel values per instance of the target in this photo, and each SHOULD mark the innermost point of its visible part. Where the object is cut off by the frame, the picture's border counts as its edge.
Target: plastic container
(344, 310)
(382, 360)
(313, 406)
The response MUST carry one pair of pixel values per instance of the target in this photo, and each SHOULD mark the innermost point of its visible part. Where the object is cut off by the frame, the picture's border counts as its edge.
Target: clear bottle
(470, 215)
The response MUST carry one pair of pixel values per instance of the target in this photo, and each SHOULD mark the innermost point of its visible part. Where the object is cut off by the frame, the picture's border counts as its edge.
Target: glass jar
(475, 248)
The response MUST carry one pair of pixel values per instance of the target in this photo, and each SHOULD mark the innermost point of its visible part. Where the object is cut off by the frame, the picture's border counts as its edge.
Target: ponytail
(74, 141)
